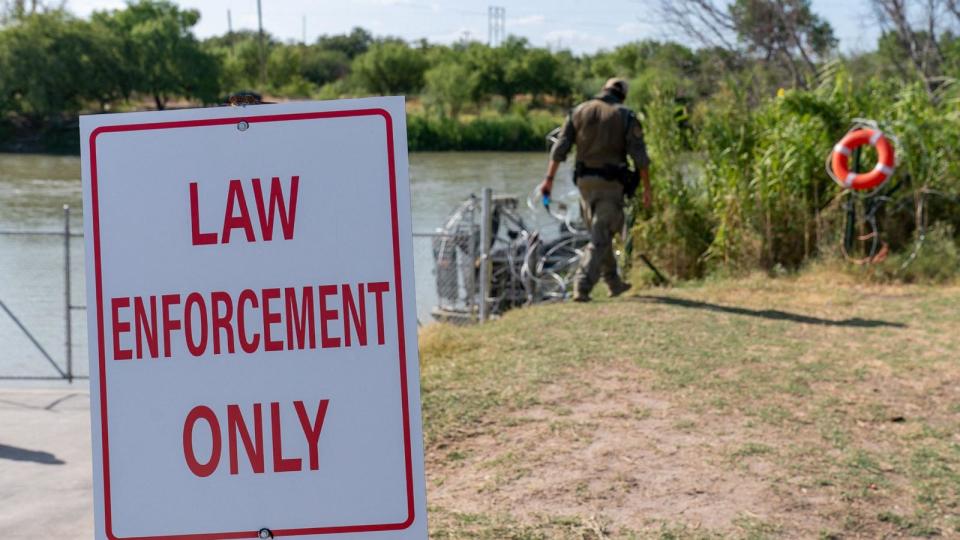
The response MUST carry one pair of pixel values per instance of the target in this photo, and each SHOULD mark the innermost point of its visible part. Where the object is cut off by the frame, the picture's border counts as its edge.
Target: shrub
(508, 132)
(761, 196)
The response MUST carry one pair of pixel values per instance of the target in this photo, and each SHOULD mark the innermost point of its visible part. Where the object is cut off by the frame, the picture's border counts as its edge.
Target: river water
(34, 189)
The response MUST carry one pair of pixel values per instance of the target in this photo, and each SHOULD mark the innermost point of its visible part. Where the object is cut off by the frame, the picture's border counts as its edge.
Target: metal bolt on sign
(243, 125)
(264, 532)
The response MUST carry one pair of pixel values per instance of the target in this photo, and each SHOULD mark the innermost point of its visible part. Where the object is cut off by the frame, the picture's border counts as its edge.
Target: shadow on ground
(22, 454)
(47, 407)
(773, 314)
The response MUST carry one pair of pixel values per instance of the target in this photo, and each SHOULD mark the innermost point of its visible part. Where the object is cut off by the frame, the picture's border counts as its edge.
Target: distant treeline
(54, 65)
(738, 128)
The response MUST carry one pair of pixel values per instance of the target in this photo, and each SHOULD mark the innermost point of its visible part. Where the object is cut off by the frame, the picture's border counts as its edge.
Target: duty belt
(607, 172)
(614, 173)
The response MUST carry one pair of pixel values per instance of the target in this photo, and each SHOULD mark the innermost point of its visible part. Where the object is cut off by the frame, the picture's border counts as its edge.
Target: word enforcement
(236, 429)
(272, 319)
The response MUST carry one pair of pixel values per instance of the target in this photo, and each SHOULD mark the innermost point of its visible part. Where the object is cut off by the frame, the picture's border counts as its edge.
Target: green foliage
(503, 132)
(679, 232)
(450, 86)
(934, 259)
(349, 45)
(761, 197)
(321, 66)
(239, 58)
(539, 72)
(497, 68)
(389, 68)
(284, 66)
(515, 68)
(161, 57)
(52, 63)
(771, 27)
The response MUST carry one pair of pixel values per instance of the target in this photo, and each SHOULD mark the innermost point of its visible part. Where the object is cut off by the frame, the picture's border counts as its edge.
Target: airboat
(528, 265)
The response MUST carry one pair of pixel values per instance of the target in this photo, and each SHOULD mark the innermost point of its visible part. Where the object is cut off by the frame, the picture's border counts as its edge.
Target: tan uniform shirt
(605, 132)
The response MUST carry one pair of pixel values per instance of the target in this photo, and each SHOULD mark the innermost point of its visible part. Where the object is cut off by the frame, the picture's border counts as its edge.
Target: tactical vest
(601, 129)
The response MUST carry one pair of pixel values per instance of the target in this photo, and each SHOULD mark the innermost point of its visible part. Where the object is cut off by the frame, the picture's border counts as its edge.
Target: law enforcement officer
(605, 133)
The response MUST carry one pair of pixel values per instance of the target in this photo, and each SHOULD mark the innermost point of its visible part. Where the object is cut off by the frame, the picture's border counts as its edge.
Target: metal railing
(65, 373)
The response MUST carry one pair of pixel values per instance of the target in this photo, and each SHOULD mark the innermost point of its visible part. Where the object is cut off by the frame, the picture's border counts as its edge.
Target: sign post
(252, 326)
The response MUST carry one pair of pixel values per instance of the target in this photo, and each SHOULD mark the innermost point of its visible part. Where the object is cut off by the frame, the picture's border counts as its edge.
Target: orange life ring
(841, 159)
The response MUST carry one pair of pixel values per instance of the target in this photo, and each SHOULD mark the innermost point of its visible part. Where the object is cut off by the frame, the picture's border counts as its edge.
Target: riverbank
(521, 131)
(756, 408)
(61, 137)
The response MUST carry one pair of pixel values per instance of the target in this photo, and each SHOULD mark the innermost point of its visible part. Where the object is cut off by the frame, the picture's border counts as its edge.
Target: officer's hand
(546, 186)
(647, 199)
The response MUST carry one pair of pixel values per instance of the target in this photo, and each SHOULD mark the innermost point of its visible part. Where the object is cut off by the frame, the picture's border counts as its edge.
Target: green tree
(357, 42)
(540, 72)
(451, 85)
(498, 69)
(51, 63)
(321, 66)
(283, 64)
(784, 31)
(285, 67)
(163, 58)
(390, 67)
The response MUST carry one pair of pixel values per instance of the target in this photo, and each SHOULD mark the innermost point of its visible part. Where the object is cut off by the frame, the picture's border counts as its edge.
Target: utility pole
(263, 54)
(490, 26)
(229, 23)
(496, 25)
(304, 29)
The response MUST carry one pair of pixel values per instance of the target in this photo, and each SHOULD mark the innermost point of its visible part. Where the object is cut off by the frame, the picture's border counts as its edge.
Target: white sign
(252, 326)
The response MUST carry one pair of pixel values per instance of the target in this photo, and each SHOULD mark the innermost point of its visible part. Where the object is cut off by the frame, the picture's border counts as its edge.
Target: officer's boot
(613, 280)
(581, 288)
(618, 287)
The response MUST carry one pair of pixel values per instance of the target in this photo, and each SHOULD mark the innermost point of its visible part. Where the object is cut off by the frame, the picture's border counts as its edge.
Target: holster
(615, 173)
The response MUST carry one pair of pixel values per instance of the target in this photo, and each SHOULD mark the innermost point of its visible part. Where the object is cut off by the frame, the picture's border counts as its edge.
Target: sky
(582, 26)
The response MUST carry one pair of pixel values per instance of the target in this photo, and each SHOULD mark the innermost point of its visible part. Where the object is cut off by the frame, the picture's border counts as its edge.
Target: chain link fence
(28, 331)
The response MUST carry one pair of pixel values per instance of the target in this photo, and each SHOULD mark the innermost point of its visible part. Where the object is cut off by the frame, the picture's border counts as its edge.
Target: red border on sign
(95, 205)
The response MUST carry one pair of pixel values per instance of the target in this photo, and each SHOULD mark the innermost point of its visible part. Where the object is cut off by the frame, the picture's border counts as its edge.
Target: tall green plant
(678, 230)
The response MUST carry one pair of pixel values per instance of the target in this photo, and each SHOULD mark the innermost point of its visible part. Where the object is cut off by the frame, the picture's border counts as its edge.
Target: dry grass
(797, 407)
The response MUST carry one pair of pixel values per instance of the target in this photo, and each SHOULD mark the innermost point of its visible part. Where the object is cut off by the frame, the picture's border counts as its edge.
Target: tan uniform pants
(601, 204)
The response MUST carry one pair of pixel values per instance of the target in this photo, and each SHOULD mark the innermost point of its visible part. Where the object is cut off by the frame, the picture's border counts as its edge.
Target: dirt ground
(816, 415)
(600, 448)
